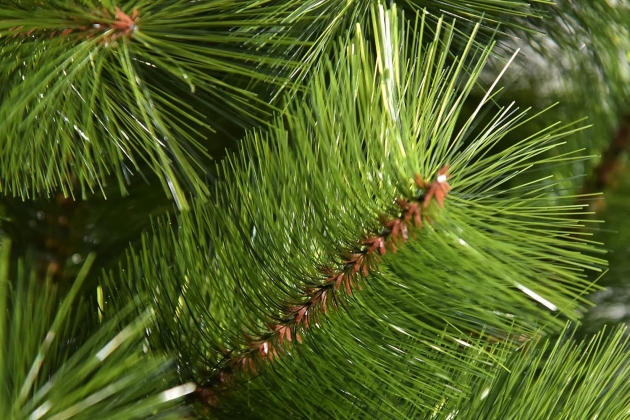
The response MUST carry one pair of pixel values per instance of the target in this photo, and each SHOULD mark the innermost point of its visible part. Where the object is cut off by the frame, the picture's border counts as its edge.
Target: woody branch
(356, 265)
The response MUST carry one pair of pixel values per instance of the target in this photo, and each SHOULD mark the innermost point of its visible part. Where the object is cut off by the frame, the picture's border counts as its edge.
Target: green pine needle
(53, 368)
(497, 261)
(561, 379)
(495, 16)
(104, 90)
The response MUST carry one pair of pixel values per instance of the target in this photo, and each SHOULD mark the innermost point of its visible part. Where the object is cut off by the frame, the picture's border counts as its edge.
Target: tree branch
(357, 264)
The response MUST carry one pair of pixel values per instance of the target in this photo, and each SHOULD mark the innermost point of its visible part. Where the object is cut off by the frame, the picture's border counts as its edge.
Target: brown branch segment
(115, 27)
(610, 161)
(343, 278)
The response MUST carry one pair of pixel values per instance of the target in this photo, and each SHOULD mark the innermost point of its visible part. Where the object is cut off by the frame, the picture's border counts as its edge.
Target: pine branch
(559, 379)
(491, 11)
(503, 17)
(107, 88)
(493, 262)
(357, 264)
(116, 87)
(52, 367)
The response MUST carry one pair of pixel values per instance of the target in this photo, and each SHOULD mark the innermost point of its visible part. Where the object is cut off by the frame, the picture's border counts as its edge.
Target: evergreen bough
(385, 241)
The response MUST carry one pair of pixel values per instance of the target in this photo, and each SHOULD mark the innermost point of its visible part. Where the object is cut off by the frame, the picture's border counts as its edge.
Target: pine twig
(122, 25)
(357, 263)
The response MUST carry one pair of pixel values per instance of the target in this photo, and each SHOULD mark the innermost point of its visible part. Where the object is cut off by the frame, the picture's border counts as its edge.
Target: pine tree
(310, 209)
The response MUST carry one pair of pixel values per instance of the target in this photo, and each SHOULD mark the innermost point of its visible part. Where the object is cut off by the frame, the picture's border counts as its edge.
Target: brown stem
(610, 160)
(120, 25)
(357, 263)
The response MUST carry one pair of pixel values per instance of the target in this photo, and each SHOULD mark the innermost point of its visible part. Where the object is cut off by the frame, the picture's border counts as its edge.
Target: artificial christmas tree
(392, 236)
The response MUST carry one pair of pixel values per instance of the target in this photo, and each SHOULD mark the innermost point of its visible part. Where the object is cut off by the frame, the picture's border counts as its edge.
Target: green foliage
(562, 379)
(145, 85)
(51, 368)
(107, 90)
(579, 57)
(353, 114)
(487, 17)
(497, 261)
(494, 13)
(612, 303)
(586, 47)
